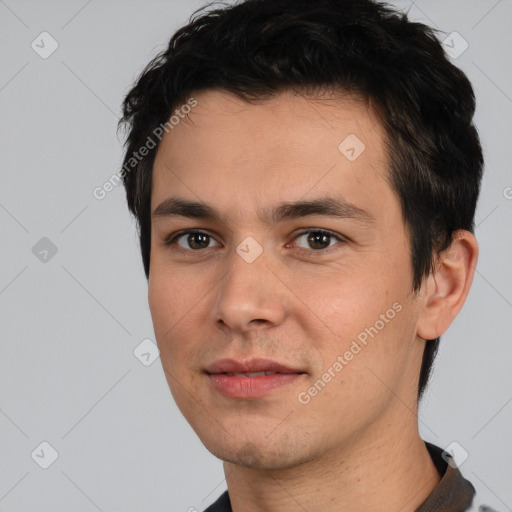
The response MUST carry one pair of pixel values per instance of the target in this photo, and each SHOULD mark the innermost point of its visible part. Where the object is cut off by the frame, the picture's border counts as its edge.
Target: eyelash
(172, 239)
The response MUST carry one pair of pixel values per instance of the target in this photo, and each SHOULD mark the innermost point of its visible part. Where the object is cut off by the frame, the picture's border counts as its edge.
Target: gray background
(70, 324)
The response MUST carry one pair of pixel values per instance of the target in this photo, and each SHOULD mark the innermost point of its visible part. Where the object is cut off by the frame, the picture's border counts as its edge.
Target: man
(305, 177)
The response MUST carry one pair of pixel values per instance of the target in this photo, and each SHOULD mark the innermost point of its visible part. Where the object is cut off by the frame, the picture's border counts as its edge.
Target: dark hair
(258, 48)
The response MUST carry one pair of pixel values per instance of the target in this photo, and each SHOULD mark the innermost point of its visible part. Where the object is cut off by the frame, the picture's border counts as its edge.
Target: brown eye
(191, 240)
(318, 239)
(197, 240)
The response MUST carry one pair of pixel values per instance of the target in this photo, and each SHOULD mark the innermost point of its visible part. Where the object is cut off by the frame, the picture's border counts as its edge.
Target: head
(267, 95)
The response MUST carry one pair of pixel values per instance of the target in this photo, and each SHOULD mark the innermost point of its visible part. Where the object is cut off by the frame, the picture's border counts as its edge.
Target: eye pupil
(318, 238)
(194, 237)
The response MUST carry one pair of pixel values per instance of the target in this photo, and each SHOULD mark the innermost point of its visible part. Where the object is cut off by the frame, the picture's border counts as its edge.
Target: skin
(355, 444)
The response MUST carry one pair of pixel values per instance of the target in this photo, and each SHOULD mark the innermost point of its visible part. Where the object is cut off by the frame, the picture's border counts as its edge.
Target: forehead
(238, 155)
(284, 118)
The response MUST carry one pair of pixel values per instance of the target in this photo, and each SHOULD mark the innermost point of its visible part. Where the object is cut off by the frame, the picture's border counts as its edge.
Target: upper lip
(250, 365)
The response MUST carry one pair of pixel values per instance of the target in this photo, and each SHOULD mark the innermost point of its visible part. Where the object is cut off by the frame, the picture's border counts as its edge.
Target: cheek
(360, 315)
(169, 301)
(363, 367)
(172, 300)
(345, 300)
(172, 293)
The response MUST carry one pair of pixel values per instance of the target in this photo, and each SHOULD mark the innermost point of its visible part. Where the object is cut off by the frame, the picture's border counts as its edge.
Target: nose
(250, 295)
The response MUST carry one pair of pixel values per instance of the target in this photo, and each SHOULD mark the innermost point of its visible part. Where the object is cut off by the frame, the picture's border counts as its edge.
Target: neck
(370, 470)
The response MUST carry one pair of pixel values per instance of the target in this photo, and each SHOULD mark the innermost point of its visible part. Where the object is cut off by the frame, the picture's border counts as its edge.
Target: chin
(261, 453)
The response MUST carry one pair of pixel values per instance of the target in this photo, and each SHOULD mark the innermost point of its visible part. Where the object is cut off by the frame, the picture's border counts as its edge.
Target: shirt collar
(453, 493)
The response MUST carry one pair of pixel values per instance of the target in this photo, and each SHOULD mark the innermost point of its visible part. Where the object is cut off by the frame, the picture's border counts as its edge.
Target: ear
(444, 291)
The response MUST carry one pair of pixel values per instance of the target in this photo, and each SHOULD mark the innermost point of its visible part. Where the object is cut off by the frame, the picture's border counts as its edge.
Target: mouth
(250, 374)
(254, 378)
(250, 366)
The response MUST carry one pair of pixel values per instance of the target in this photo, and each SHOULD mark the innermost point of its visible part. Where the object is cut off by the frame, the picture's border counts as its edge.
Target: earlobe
(445, 290)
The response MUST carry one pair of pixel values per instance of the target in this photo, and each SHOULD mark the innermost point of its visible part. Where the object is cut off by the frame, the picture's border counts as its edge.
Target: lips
(255, 378)
(249, 374)
(249, 368)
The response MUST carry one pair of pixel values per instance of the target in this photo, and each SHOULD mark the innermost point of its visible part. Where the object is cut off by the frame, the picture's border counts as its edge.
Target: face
(298, 266)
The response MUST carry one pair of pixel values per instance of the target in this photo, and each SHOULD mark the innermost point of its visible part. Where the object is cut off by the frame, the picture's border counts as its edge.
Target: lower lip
(251, 387)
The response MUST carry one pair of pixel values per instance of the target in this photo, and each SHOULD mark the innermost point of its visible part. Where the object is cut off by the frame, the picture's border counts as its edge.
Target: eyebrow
(326, 206)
